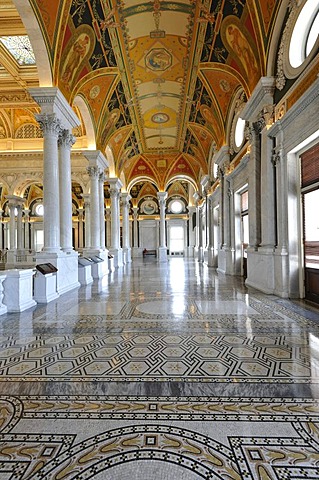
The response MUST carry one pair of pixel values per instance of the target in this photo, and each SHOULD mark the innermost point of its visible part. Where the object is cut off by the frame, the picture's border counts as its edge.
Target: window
(305, 33)
(39, 210)
(239, 132)
(176, 206)
(20, 48)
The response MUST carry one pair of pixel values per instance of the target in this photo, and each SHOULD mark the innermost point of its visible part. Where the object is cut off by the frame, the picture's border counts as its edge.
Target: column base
(190, 252)
(137, 252)
(67, 264)
(211, 257)
(200, 254)
(226, 261)
(18, 291)
(101, 269)
(162, 254)
(45, 287)
(127, 256)
(118, 256)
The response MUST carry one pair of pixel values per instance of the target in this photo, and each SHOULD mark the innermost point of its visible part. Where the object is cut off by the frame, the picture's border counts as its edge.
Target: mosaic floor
(160, 371)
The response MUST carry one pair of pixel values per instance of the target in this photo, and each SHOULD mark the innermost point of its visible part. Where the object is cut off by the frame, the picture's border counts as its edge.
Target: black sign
(46, 268)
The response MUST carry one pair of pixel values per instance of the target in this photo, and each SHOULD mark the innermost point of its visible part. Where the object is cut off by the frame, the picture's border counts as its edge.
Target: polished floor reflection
(160, 371)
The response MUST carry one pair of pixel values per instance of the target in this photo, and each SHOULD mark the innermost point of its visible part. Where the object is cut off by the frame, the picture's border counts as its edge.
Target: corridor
(160, 371)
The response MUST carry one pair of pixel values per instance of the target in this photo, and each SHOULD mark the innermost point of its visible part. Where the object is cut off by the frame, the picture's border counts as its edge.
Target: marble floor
(158, 372)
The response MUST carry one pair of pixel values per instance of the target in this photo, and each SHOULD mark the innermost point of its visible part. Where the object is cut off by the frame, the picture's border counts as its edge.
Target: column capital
(262, 96)
(162, 196)
(49, 124)
(52, 102)
(115, 183)
(86, 197)
(93, 171)
(15, 201)
(125, 197)
(66, 139)
(96, 159)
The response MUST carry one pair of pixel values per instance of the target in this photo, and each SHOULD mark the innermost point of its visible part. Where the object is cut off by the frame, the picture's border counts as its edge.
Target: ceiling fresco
(158, 77)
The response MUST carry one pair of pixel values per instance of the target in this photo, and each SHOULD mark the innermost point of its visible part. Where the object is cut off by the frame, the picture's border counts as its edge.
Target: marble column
(26, 212)
(56, 116)
(94, 173)
(108, 225)
(65, 142)
(191, 231)
(102, 210)
(126, 227)
(51, 128)
(80, 212)
(87, 219)
(211, 252)
(19, 228)
(201, 234)
(162, 250)
(116, 250)
(135, 232)
(1, 230)
(12, 226)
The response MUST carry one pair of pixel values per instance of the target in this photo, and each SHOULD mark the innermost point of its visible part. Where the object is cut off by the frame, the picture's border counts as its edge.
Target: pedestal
(118, 256)
(45, 287)
(3, 308)
(18, 290)
(127, 257)
(111, 264)
(67, 265)
(85, 274)
(99, 270)
(162, 254)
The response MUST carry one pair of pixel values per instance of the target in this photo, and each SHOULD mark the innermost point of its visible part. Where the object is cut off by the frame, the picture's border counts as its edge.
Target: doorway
(310, 202)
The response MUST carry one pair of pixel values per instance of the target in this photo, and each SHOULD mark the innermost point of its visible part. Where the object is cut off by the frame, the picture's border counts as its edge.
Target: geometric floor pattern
(160, 371)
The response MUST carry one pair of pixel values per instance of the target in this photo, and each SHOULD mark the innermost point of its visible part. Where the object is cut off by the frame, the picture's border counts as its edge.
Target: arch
(22, 184)
(275, 39)
(141, 179)
(87, 119)
(181, 177)
(110, 158)
(37, 41)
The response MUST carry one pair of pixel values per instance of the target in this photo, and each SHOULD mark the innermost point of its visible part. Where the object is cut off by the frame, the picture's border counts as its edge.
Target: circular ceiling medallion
(160, 117)
(158, 59)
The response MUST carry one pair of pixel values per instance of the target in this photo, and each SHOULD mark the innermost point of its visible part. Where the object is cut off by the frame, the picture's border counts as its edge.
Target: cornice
(261, 97)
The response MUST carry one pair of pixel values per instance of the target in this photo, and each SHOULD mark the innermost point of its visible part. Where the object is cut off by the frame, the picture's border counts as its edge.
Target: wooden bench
(149, 252)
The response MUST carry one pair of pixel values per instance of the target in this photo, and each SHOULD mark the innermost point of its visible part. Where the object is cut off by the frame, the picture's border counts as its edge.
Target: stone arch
(179, 178)
(87, 119)
(37, 42)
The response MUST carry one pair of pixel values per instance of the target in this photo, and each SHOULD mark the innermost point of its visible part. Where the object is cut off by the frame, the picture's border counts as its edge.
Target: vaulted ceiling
(157, 78)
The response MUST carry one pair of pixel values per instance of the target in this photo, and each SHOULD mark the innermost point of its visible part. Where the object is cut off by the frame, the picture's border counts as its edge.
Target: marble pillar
(51, 128)
(211, 251)
(87, 219)
(65, 142)
(201, 231)
(81, 231)
(108, 226)
(115, 250)
(12, 226)
(162, 249)
(56, 116)
(94, 173)
(136, 250)
(191, 231)
(1, 230)
(102, 210)
(126, 227)
(26, 212)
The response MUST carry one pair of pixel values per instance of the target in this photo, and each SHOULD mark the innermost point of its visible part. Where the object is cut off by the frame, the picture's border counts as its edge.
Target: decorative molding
(66, 139)
(49, 123)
